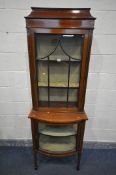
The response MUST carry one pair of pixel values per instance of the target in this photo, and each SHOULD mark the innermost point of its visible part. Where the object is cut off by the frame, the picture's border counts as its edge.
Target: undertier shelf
(57, 144)
(58, 84)
(57, 130)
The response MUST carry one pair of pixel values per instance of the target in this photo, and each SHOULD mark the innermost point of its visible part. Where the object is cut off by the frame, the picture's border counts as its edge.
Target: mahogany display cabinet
(59, 43)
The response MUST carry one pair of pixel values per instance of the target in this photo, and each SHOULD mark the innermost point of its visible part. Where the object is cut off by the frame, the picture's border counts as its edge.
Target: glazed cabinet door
(58, 69)
(58, 60)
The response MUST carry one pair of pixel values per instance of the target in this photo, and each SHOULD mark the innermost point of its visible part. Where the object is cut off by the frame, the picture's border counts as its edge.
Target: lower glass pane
(43, 96)
(42, 74)
(59, 73)
(58, 96)
(74, 74)
(73, 95)
(57, 144)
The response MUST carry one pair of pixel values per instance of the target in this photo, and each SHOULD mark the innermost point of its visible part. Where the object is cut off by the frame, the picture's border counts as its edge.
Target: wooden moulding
(58, 117)
(60, 13)
(61, 23)
(60, 18)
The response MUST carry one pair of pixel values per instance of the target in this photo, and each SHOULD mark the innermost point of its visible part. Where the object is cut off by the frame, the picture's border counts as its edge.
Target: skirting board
(87, 144)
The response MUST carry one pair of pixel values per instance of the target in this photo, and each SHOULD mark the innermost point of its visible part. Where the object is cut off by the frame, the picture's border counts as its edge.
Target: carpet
(19, 161)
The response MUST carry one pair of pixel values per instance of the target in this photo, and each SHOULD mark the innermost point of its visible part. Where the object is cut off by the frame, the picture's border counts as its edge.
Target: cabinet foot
(36, 168)
(78, 161)
(35, 160)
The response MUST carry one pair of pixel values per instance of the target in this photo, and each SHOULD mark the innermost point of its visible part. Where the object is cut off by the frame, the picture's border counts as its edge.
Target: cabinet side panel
(84, 68)
(32, 65)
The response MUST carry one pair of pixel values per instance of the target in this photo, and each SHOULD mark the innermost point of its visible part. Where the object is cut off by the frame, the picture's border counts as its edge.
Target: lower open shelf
(57, 144)
(56, 130)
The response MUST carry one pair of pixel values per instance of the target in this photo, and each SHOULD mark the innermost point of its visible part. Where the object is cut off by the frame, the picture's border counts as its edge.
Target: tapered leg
(35, 160)
(80, 135)
(78, 161)
(34, 128)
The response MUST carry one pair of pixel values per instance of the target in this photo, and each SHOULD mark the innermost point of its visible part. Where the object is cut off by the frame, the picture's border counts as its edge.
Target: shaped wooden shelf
(58, 117)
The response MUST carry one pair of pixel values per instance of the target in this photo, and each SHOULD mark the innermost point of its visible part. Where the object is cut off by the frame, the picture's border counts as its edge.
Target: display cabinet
(59, 43)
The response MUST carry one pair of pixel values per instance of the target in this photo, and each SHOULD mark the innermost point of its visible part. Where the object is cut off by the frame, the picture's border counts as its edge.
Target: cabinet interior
(58, 69)
(57, 138)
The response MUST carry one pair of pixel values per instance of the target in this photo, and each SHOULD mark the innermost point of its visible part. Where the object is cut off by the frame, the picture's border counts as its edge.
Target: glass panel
(43, 74)
(72, 45)
(58, 97)
(73, 96)
(46, 43)
(58, 144)
(58, 69)
(74, 74)
(58, 131)
(43, 96)
(59, 74)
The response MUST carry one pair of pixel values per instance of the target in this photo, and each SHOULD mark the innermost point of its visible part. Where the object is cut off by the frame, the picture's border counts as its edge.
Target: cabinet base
(53, 155)
(58, 119)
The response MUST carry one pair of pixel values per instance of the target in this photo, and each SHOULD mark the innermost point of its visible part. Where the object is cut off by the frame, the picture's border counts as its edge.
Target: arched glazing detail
(58, 69)
(47, 45)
